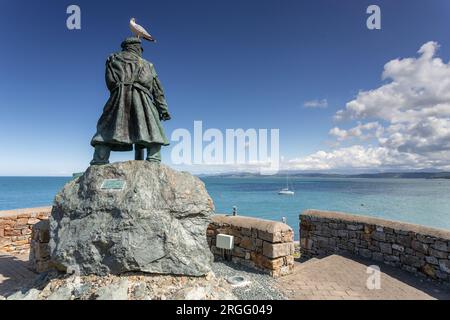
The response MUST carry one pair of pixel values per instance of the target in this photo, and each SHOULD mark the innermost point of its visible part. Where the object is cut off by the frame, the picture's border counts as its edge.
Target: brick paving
(344, 278)
(14, 273)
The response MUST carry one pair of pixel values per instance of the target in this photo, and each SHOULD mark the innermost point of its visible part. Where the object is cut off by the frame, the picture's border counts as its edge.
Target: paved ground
(334, 277)
(345, 278)
(14, 273)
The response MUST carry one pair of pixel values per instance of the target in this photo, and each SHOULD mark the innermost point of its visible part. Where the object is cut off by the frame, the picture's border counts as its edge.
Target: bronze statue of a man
(133, 113)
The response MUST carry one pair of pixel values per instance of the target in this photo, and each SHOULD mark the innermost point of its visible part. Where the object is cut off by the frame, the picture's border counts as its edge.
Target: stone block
(429, 270)
(368, 229)
(32, 221)
(26, 231)
(398, 247)
(12, 232)
(440, 245)
(42, 250)
(273, 264)
(385, 248)
(287, 236)
(379, 236)
(267, 236)
(425, 239)
(355, 227)
(412, 261)
(438, 254)
(390, 237)
(322, 241)
(306, 244)
(342, 233)
(404, 240)
(21, 222)
(265, 262)
(444, 265)
(238, 252)
(21, 242)
(42, 216)
(224, 230)
(388, 230)
(247, 243)
(44, 236)
(275, 250)
(431, 260)
(419, 246)
(236, 231)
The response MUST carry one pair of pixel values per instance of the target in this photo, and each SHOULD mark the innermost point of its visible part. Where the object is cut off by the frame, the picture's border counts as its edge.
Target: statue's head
(132, 44)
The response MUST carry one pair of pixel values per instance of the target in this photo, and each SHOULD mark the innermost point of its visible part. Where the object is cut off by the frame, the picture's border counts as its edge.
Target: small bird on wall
(139, 31)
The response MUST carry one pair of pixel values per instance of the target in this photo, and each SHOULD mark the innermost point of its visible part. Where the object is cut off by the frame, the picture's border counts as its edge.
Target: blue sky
(231, 64)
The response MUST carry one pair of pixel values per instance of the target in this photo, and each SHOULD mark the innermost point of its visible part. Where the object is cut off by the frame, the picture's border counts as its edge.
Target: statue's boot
(139, 152)
(101, 155)
(154, 153)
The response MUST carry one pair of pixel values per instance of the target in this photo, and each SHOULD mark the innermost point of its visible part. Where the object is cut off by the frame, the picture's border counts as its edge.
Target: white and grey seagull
(139, 31)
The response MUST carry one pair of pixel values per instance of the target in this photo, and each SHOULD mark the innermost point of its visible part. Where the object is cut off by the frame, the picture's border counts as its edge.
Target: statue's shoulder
(148, 63)
(111, 57)
(150, 66)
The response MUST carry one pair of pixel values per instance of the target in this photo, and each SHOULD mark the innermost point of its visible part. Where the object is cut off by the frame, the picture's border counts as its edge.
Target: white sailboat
(286, 191)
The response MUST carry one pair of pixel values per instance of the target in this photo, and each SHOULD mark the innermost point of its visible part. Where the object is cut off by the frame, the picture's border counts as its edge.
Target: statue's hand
(164, 116)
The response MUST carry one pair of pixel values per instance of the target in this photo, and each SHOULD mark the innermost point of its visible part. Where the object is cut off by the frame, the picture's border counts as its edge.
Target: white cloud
(316, 103)
(408, 120)
(362, 131)
(356, 157)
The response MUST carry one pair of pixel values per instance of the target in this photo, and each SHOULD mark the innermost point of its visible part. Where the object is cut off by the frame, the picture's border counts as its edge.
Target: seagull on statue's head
(139, 31)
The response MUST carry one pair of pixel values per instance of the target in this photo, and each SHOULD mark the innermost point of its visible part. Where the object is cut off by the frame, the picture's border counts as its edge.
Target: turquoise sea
(419, 201)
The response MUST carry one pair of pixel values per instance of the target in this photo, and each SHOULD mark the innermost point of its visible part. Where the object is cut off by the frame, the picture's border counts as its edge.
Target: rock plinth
(133, 216)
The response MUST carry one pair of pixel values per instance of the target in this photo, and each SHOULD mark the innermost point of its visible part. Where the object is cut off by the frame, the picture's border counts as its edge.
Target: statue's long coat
(132, 113)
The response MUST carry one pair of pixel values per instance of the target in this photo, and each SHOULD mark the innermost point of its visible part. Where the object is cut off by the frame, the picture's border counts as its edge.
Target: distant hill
(397, 175)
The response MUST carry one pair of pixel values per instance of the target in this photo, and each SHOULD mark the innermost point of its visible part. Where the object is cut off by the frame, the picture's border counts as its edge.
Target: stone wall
(260, 244)
(16, 228)
(421, 250)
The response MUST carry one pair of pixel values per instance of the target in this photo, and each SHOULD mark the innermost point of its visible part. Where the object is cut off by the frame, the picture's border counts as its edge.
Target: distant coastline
(383, 175)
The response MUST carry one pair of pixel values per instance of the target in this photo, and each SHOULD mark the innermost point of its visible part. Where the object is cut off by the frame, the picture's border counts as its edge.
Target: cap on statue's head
(132, 41)
(132, 44)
